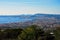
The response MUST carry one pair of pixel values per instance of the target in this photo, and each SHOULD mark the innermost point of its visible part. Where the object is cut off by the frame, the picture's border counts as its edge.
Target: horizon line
(27, 14)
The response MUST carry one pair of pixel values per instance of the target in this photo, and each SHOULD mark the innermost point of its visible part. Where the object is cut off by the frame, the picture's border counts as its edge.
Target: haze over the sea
(17, 7)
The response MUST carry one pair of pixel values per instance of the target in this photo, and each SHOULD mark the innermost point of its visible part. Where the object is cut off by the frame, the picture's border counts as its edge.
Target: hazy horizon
(18, 7)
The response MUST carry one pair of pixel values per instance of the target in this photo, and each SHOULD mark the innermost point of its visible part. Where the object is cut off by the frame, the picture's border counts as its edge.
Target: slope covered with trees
(32, 32)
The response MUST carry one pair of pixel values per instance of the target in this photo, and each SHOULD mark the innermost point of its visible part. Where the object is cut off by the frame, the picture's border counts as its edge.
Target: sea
(11, 19)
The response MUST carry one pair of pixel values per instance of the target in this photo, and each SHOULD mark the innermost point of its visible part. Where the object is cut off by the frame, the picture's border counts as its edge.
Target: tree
(31, 33)
(12, 33)
(57, 33)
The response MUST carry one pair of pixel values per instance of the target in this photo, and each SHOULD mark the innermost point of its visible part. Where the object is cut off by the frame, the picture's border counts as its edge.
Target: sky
(17, 7)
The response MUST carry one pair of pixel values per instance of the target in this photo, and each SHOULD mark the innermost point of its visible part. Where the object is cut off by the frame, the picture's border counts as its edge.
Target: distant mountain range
(43, 20)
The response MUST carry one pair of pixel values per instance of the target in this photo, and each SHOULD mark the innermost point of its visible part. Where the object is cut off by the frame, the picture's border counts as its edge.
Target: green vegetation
(57, 33)
(9, 34)
(30, 33)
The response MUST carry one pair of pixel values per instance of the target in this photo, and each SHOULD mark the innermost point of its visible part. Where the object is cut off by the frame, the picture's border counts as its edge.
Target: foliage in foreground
(57, 33)
(30, 33)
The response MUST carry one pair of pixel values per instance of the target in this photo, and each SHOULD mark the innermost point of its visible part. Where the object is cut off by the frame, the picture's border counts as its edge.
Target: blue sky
(16, 7)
